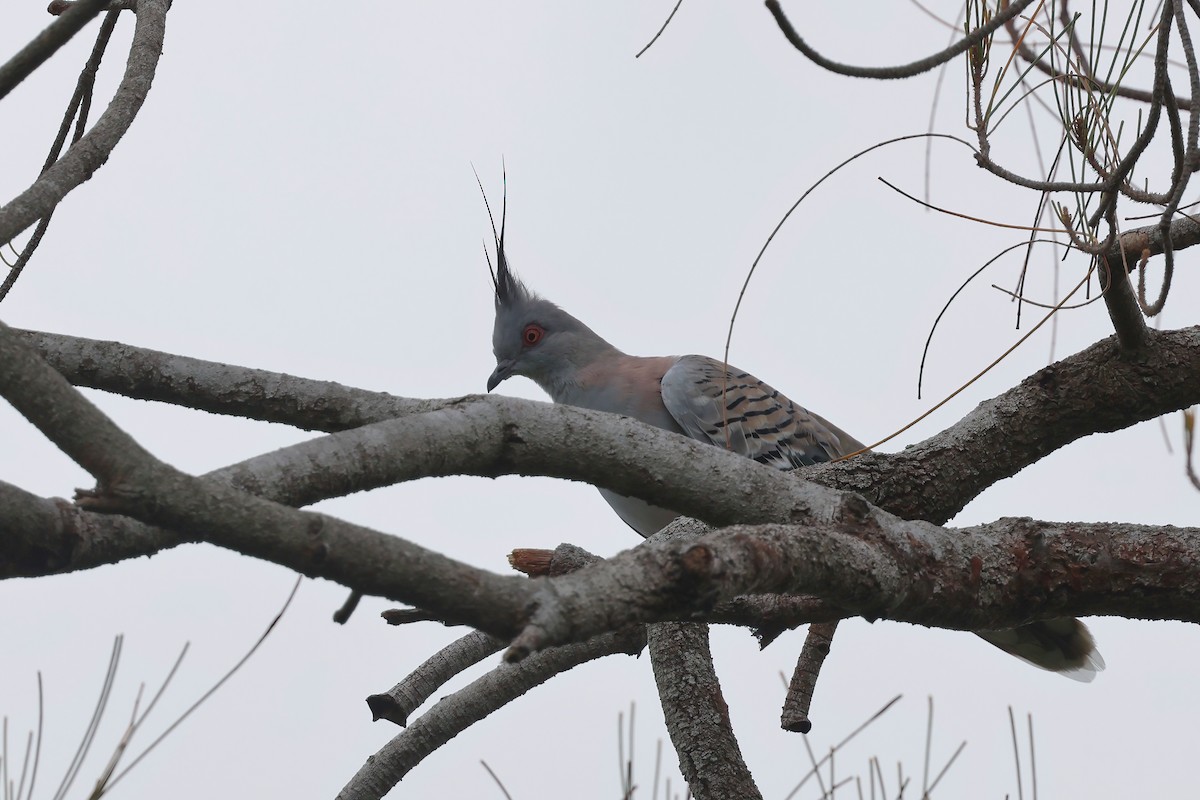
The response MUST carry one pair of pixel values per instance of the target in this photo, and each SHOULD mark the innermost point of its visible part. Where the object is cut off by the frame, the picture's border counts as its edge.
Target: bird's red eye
(532, 334)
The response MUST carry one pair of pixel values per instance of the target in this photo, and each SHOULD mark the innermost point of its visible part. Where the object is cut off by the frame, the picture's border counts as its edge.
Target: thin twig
(213, 689)
(47, 43)
(670, 17)
(903, 70)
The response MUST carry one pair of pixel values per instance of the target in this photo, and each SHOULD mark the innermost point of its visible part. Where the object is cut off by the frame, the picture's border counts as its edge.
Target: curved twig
(787, 214)
(94, 148)
(903, 70)
(670, 17)
(81, 103)
(962, 287)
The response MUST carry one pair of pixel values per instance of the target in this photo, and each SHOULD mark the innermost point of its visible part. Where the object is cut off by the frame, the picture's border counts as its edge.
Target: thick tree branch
(75, 539)
(1150, 241)
(43, 537)
(988, 577)
(1094, 391)
(145, 374)
(696, 714)
(92, 151)
(1090, 392)
(859, 558)
(130, 479)
(1123, 310)
(500, 435)
(770, 614)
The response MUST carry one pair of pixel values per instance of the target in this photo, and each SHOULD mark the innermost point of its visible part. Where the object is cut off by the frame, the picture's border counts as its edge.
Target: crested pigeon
(706, 400)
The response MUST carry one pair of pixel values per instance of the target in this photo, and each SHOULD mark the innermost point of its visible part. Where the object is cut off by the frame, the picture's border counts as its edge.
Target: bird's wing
(735, 410)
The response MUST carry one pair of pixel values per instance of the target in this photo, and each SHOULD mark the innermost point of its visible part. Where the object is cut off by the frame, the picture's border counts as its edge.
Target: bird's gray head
(532, 336)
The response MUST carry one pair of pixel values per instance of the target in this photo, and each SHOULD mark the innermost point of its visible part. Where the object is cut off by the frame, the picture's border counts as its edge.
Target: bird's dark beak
(503, 370)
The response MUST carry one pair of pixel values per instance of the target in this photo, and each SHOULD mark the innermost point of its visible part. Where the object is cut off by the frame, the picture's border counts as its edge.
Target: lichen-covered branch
(993, 576)
(696, 714)
(1094, 391)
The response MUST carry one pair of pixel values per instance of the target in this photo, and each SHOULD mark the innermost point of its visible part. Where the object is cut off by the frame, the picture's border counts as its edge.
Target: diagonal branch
(1094, 391)
(399, 702)
(457, 712)
(43, 536)
(132, 480)
(696, 714)
(47, 43)
(1001, 575)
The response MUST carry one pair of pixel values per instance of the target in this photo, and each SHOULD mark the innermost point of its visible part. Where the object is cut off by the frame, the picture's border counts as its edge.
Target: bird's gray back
(734, 410)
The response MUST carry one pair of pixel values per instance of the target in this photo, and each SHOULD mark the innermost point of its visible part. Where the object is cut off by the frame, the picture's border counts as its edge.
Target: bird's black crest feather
(509, 290)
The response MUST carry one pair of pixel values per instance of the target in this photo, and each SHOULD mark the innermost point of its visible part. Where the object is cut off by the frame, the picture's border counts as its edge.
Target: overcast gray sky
(297, 195)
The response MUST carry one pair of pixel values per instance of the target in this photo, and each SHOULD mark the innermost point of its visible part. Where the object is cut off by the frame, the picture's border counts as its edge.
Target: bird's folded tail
(1063, 645)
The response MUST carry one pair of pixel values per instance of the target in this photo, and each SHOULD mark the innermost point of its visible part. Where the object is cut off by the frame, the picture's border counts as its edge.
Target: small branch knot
(319, 550)
(852, 508)
(1047, 380)
(512, 433)
(697, 562)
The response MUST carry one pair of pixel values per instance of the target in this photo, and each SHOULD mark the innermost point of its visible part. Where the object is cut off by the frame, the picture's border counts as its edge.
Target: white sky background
(297, 195)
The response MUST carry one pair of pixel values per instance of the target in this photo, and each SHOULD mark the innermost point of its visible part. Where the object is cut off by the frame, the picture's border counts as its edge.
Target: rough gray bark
(696, 714)
(464, 708)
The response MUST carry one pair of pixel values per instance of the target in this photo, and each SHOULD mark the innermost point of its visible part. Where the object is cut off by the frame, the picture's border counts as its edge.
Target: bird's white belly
(638, 514)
